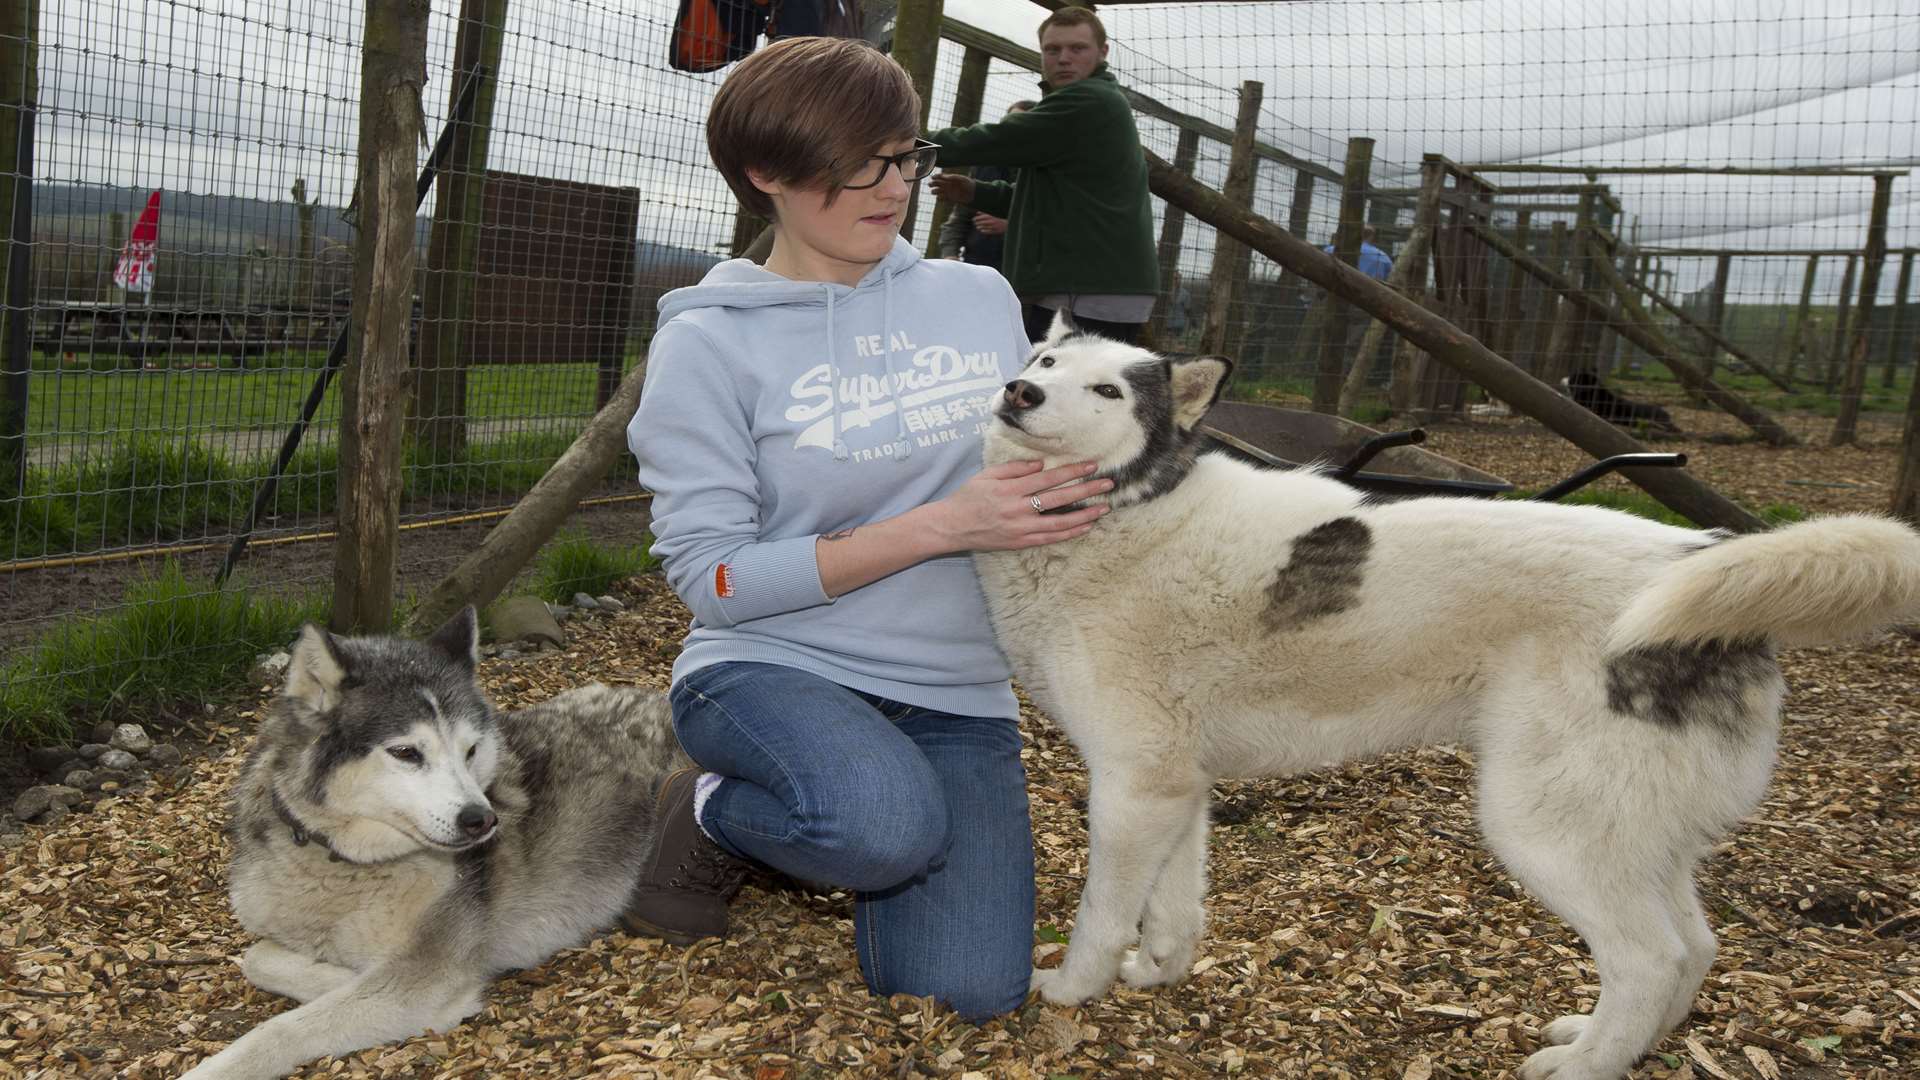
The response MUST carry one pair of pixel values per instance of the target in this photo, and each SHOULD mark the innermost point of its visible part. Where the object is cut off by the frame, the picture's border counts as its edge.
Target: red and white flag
(134, 271)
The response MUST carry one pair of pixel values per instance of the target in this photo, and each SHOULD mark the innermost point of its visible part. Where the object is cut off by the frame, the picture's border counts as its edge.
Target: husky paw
(1567, 1063)
(1566, 1029)
(1141, 968)
(1056, 987)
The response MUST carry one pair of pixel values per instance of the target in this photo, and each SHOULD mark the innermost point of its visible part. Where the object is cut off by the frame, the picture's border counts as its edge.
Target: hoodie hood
(741, 283)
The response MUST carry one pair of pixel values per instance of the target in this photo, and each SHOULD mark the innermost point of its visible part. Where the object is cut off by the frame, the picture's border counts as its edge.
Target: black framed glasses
(915, 165)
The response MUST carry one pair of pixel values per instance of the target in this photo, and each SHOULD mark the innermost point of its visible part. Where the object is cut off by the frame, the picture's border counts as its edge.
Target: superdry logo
(936, 374)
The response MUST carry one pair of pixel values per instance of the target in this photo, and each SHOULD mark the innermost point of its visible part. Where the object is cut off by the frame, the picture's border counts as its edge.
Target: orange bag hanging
(710, 34)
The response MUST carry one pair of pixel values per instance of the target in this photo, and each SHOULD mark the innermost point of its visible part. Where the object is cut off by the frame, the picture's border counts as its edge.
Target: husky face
(399, 743)
(1130, 410)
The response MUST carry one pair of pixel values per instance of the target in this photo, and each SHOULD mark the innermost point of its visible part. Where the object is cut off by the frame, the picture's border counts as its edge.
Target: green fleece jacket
(1079, 219)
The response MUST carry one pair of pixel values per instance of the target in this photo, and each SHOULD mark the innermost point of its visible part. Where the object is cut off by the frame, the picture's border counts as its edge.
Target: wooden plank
(1449, 345)
(1679, 170)
(1765, 253)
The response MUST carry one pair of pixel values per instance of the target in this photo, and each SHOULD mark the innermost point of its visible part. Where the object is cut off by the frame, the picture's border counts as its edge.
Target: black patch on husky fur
(1674, 686)
(1322, 576)
(1168, 456)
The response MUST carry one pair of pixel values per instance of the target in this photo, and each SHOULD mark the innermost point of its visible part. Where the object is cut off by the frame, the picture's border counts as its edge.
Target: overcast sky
(242, 96)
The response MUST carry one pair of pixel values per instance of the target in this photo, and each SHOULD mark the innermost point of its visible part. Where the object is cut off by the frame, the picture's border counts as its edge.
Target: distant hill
(224, 225)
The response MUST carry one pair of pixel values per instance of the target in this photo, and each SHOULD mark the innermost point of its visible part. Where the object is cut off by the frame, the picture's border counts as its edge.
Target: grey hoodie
(775, 411)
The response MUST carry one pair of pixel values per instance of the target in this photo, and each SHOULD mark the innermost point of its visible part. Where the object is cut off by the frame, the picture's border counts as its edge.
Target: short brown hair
(1077, 16)
(808, 111)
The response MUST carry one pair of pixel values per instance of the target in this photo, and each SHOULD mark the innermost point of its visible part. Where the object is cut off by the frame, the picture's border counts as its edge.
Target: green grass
(1657, 382)
(149, 491)
(172, 641)
(573, 563)
(72, 404)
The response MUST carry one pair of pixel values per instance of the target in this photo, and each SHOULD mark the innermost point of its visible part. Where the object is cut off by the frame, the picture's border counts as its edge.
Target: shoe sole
(641, 928)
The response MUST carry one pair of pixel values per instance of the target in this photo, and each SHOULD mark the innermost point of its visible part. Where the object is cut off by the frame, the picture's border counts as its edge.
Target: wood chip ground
(1357, 928)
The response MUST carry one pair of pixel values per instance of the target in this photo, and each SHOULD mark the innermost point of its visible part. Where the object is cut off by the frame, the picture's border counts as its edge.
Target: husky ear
(1061, 328)
(1197, 382)
(317, 670)
(459, 639)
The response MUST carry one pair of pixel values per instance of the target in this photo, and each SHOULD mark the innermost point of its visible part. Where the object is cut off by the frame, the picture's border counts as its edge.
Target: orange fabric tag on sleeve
(722, 581)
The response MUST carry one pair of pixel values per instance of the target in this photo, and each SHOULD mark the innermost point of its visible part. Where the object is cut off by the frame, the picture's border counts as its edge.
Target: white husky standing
(1615, 676)
(397, 843)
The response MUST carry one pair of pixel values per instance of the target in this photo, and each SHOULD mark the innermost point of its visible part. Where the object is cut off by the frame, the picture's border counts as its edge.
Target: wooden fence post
(453, 244)
(19, 108)
(1507, 329)
(1905, 503)
(1221, 283)
(1299, 214)
(967, 98)
(1569, 329)
(1842, 312)
(1173, 230)
(1354, 181)
(1547, 366)
(1717, 307)
(1898, 329)
(1409, 360)
(1797, 347)
(1409, 263)
(916, 47)
(1846, 424)
(373, 388)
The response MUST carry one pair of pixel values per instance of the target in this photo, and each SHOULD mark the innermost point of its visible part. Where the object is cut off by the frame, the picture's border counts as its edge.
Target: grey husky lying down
(1615, 676)
(398, 843)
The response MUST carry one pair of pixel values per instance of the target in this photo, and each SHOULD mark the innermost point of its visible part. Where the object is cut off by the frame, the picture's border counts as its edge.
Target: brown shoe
(687, 879)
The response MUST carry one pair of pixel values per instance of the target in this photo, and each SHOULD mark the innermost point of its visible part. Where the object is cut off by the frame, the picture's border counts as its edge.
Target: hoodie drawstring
(893, 381)
(833, 369)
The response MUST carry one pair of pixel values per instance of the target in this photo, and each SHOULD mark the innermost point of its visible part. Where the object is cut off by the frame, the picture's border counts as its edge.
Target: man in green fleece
(1080, 225)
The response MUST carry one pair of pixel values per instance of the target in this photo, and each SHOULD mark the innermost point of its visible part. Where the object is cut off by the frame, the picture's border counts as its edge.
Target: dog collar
(302, 835)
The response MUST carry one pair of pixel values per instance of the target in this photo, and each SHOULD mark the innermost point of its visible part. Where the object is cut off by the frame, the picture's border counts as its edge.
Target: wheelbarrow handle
(1372, 448)
(1606, 465)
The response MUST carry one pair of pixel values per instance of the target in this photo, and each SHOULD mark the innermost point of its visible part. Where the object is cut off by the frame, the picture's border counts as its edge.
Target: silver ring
(1034, 501)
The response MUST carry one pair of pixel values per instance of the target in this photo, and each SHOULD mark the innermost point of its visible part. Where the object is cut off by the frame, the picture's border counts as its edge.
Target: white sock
(702, 788)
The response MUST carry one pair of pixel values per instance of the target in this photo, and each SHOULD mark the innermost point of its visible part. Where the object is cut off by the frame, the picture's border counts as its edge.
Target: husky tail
(1820, 581)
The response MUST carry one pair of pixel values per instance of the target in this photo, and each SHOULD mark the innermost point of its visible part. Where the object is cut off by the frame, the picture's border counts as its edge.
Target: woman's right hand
(1005, 507)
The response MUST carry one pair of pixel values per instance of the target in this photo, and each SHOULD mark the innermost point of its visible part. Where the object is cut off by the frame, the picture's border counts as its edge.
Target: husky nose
(476, 820)
(1022, 394)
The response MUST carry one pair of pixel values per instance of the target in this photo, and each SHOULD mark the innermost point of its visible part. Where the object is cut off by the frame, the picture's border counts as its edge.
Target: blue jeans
(923, 814)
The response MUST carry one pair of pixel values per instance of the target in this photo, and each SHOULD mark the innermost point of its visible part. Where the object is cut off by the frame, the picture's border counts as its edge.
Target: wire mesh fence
(1707, 175)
